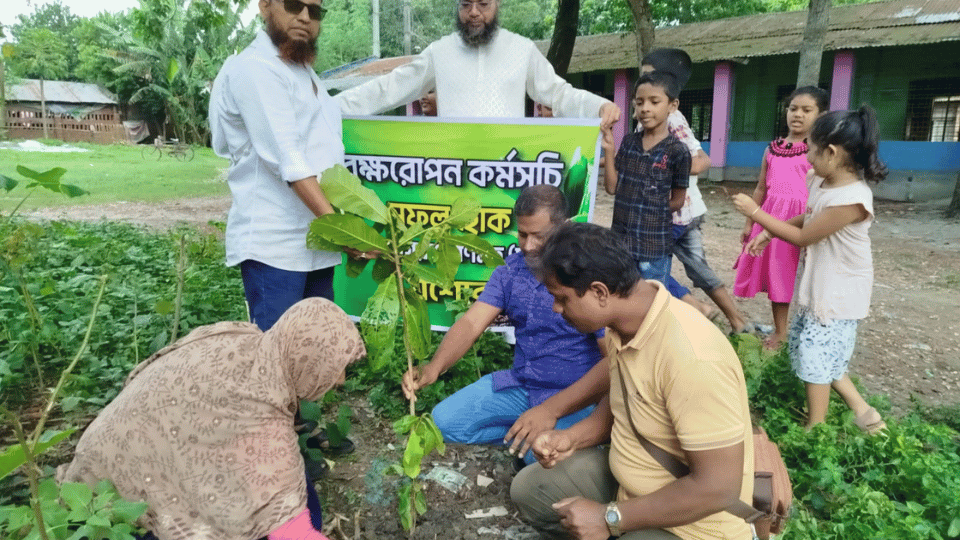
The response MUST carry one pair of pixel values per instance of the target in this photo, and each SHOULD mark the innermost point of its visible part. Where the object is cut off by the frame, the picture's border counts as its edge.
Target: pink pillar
(621, 96)
(720, 124)
(844, 64)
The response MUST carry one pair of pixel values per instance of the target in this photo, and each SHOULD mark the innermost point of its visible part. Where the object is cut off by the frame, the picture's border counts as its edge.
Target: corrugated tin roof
(877, 24)
(28, 90)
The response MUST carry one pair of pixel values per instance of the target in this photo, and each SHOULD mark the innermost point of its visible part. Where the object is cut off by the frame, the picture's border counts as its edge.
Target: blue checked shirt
(641, 207)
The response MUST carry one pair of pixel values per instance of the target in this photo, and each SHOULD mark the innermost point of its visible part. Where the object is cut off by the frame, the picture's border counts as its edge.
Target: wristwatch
(612, 517)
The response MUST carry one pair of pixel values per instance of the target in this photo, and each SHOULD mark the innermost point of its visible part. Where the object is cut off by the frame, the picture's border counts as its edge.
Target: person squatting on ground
(481, 70)
(649, 176)
(514, 406)
(836, 276)
(686, 394)
(782, 192)
(270, 115)
(687, 233)
(203, 430)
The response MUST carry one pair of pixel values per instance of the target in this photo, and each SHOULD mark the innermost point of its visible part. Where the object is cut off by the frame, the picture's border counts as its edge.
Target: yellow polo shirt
(690, 395)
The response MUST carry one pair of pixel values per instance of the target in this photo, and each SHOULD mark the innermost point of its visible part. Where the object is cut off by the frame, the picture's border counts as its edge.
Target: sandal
(320, 441)
(870, 422)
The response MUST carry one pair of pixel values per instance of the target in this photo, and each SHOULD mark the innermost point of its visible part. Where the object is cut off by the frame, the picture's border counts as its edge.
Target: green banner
(420, 166)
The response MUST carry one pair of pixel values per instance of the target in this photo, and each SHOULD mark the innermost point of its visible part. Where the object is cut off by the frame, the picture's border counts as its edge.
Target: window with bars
(933, 110)
(697, 106)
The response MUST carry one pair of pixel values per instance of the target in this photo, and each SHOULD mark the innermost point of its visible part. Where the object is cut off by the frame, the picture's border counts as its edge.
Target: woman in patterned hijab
(203, 429)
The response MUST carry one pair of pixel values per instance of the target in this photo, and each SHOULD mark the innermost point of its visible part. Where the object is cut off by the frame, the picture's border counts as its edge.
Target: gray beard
(482, 38)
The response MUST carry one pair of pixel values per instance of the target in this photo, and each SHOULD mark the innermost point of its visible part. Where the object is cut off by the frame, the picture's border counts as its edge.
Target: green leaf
(382, 269)
(403, 507)
(72, 191)
(7, 183)
(348, 230)
(413, 454)
(76, 495)
(420, 502)
(425, 273)
(128, 511)
(315, 241)
(51, 176)
(464, 211)
(344, 190)
(164, 307)
(378, 323)
(354, 267)
(423, 245)
(173, 67)
(310, 410)
(954, 529)
(417, 319)
(403, 425)
(13, 457)
(408, 236)
(448, 260)
(491, 259)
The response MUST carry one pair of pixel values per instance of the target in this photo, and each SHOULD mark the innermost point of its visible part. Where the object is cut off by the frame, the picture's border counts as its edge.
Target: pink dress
(775, 270)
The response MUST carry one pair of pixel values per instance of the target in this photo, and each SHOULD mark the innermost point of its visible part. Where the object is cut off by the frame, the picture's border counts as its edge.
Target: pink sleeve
(298, 528)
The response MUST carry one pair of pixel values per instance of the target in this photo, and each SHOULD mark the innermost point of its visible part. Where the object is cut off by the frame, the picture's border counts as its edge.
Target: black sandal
(321, 442)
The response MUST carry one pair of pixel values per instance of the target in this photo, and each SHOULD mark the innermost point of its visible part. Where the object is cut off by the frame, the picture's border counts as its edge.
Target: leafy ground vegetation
(903, 484)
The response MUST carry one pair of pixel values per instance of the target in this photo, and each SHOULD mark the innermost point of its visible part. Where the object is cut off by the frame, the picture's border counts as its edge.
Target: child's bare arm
(609, 168)
(677, 198)
(700, 162)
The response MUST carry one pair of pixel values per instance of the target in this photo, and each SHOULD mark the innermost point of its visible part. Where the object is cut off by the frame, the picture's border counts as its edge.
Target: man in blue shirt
(513, 406)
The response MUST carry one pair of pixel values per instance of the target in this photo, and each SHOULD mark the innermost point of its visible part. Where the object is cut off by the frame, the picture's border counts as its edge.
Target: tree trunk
(3, 101)
(811, 49)
(643, 23)
(43, 111)
(954, 209)
(564, 35)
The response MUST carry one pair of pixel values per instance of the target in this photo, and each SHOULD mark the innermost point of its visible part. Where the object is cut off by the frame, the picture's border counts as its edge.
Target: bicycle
(173, 148)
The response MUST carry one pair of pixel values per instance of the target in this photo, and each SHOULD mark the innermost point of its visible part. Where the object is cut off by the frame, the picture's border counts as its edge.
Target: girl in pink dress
(781, 192)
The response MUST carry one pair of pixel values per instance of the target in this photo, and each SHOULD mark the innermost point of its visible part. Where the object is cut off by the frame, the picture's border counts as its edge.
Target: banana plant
(409, 254)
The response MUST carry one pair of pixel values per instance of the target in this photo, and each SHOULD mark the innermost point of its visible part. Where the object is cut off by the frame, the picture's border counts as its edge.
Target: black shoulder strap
(673, 465)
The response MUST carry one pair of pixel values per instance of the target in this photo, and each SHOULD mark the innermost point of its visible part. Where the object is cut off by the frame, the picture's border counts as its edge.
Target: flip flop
(870, 422)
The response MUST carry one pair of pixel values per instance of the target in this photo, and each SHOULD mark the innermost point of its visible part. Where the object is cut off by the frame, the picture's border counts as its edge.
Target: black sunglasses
(295, 7)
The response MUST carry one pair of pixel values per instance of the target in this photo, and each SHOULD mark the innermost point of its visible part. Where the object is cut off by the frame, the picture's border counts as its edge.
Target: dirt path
(909, 346)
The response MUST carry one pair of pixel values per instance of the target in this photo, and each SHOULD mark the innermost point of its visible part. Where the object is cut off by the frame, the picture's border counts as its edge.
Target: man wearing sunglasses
(481, 70)
(270, 115)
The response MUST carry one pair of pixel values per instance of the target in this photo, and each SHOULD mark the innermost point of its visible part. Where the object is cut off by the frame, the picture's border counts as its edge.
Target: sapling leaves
(348, 230)
(474, 243)
(7, 183)
(354, 267)
(379, 321)
(464, 211)
(344, 190)
(410, 234)
(425, 273)
(14, 456)
(419, 320)
(383, 268)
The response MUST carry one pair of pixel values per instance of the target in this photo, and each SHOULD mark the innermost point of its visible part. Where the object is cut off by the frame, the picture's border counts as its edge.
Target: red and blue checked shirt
(641, 207)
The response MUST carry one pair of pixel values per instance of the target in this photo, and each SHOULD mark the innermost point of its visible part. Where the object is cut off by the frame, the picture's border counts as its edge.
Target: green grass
(114, 173)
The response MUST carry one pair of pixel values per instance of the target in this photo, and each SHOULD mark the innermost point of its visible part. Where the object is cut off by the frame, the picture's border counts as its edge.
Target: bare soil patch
(908, 347)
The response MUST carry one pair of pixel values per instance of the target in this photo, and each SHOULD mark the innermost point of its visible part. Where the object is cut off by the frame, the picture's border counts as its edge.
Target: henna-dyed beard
(481, 38)
(294, 50)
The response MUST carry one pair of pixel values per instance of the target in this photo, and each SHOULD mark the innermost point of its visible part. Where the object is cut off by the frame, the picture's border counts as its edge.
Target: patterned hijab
(203, 429)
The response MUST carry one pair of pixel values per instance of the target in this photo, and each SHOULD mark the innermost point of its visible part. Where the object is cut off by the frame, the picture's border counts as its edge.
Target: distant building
(75, 112)
(901, 57)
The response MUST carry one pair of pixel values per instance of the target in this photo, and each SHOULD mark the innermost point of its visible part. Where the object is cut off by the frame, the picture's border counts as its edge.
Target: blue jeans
(271, 291)
(658, 269)
(476, 414)
(688, 247)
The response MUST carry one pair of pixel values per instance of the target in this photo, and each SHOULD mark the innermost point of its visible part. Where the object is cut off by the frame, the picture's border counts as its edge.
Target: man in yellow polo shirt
(685, 394)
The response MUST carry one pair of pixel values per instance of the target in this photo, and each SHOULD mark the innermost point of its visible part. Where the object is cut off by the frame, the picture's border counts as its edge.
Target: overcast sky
(82, 8)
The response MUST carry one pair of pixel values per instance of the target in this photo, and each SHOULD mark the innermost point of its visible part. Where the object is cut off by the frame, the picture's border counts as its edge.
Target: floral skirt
(820, 352)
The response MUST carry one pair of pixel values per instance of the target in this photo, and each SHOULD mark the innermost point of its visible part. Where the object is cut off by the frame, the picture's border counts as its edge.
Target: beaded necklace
(782, 148)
